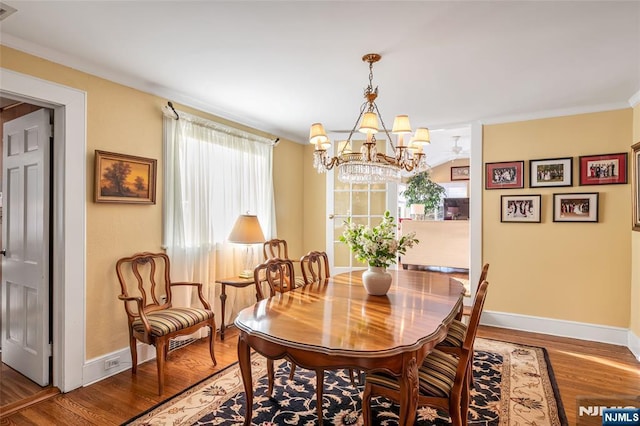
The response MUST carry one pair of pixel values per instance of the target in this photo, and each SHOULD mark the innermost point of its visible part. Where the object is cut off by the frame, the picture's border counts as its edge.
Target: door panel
(364, 203)
(25, 230)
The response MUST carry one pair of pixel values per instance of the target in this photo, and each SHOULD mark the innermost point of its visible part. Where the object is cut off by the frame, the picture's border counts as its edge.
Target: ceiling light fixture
(369, 165)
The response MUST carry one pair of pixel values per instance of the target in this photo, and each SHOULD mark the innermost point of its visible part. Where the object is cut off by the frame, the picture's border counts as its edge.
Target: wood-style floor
(581, 369)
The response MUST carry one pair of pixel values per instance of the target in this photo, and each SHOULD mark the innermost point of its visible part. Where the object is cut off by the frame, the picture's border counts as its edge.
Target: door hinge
(50, 349)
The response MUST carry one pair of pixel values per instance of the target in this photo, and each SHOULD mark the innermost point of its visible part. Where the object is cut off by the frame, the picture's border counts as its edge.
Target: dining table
(333, 324)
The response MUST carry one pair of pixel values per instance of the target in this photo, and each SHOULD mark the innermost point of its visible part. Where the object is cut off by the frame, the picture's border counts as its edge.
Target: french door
(364, 203)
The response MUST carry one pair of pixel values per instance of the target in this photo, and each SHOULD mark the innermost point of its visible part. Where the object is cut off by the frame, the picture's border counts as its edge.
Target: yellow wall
(121, 119)
(315, 204)
(635, 247)
(442, 172)
(571, 271)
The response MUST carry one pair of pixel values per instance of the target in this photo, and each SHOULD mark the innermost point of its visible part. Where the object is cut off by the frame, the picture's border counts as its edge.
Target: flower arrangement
(376, 246)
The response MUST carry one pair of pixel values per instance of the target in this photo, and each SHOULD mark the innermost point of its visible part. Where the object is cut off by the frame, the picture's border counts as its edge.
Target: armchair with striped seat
(147, 295)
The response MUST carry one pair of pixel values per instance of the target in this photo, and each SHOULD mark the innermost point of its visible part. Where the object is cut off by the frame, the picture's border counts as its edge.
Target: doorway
(26, 309)
(69, 217)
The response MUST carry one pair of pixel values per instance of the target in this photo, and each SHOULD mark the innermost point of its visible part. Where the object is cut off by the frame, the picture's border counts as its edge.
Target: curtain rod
(169, 109)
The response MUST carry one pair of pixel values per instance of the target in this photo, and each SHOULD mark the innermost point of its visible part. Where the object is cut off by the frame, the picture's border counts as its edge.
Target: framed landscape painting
(603, 169)
(121, 178)
(576, 207)
(504, 175)
(551, 172)
(520, 208)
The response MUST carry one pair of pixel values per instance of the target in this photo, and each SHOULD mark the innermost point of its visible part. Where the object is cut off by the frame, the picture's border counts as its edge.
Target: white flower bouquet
(377, 246)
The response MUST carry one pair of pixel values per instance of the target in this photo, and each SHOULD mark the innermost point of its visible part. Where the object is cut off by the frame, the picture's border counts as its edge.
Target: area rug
(513, 384)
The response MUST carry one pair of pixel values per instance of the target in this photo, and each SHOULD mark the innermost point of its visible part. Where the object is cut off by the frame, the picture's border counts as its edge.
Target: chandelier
(369, 165)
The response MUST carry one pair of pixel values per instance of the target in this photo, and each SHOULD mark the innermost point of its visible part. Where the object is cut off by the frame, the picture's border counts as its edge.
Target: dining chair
(443, 379)
(465, 310)
(147, 295)
(314, 266)
(276, 248)
(278, 273)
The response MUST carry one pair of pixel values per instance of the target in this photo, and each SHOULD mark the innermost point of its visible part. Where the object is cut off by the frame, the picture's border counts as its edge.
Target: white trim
(556, 113)
(633, 343)
(94, 371)
(69, 224)
(556, 327)
(635, 99)
(475, 207)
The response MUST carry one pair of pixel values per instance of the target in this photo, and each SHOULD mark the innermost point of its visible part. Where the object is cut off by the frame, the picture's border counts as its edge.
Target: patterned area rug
(513, 384)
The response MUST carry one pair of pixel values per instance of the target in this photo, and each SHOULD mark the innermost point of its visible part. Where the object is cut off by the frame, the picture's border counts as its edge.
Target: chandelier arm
(393, 148)
(362, 107)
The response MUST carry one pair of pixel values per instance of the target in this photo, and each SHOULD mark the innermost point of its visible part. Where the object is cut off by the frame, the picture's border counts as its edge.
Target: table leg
(244, 360)
(223, 299)
(408, 390)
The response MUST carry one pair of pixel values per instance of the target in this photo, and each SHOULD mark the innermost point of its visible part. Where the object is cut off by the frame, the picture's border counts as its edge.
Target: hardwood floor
(581, 369)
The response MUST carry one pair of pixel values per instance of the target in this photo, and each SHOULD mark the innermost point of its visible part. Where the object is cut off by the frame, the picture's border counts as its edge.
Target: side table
(236, 282)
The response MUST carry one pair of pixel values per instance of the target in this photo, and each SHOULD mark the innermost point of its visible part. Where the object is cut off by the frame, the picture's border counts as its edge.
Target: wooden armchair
(443, 379)
(146, 293)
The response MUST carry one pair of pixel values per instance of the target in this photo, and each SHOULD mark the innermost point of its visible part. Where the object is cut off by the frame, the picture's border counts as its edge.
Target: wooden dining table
(335, 324)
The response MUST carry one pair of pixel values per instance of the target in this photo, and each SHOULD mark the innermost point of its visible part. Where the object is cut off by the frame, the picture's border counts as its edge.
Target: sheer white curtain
(213, 173)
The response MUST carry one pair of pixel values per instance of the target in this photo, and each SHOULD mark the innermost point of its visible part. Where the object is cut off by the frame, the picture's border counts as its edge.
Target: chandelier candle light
(369, 165)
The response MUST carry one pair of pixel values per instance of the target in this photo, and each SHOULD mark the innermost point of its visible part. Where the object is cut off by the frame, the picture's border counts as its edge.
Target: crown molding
(102, 71)
(563, 112)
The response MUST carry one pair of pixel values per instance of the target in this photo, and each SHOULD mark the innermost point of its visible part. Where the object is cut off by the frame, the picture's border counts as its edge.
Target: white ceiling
(279, 66)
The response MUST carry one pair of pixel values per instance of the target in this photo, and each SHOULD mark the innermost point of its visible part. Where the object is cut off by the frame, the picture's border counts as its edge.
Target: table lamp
(247, 231)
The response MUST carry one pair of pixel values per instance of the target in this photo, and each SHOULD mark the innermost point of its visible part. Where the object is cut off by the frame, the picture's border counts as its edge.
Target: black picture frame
(551, 172)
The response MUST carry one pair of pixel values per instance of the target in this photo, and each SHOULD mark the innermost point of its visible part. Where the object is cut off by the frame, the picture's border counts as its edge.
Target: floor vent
(175, 343)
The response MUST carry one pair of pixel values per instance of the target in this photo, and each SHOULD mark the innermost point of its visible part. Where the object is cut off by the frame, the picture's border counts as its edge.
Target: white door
(25, 241)
(365, 203)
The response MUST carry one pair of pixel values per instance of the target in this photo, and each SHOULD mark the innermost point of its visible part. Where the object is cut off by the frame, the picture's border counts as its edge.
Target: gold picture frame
(635, 170)
(122, 178)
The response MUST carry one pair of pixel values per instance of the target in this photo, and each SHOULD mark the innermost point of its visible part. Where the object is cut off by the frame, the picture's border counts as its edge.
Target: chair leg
(366, 404)
(464, 403)
(292, 372)
(319, 391)
(270, 377)
(134, 354)
(212, 339)
(161, 345)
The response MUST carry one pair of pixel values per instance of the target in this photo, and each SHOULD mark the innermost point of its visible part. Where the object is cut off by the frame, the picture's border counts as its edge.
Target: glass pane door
(365, 203)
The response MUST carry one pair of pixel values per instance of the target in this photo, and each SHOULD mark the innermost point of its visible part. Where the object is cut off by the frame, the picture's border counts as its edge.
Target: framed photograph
(121, 178)
(551, 172)
(505, 175)
(576, 207)
(520, 208)
(635, 166)
(603, 169)
(460, 173)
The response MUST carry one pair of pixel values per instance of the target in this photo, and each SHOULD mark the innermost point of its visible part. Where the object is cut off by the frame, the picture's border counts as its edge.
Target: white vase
(376, 280)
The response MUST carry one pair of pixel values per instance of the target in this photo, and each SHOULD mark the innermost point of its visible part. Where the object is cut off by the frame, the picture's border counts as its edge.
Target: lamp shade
(246, 230)
(422, 136)
(369, 123)
(401, 125)
(317, 135)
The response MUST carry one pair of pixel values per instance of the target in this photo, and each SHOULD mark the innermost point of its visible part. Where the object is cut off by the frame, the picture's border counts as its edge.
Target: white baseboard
(634, 344)
(555, 327)
(94, 370)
